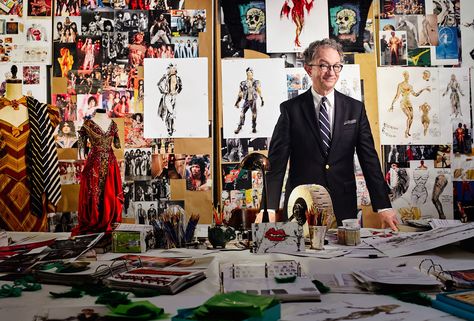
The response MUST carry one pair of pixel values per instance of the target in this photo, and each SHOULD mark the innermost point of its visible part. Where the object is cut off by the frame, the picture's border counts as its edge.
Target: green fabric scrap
(285, 279)
(7, 291)
(233, 306)
(95, 289)
(415, 297)
(321, 286)
(113, 299)
(139, 310)
(73, 267)
(73, 293)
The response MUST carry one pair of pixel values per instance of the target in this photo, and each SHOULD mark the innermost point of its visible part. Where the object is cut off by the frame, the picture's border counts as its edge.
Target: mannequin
(14, 91)
(28, 160)
(100, 193)
(102, 119)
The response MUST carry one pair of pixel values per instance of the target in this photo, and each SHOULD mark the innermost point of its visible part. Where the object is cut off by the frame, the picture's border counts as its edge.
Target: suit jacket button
(327, 166)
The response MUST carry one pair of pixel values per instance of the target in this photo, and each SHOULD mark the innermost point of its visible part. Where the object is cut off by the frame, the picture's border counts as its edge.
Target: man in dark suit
(329, 160)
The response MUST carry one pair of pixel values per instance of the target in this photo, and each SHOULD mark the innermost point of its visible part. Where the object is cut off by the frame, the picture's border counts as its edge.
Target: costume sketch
(467, 32)
(170, 86)
(462, 167)
(379, 307)
(349, 81)
(427, 195)
(249, 92)
(175, 98)
(297, 10)
(411, 112)
(252, 87)
(454, 90)
(404, 90)
(293, 24)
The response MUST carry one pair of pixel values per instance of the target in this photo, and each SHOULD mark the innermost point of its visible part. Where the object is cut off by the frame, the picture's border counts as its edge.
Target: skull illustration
(255, 19)
(346, 19)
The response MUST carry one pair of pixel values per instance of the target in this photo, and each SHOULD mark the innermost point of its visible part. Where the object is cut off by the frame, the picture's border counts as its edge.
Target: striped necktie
(324, 125)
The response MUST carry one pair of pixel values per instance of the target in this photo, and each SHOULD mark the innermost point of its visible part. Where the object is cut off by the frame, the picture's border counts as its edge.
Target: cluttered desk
(368, 281)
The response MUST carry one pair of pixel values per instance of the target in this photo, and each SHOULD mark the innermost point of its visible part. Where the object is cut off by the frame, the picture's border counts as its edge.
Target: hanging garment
(29, 171)
(100, 193)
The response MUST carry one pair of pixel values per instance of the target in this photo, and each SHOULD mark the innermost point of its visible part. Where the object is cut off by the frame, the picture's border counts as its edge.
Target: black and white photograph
(137, 164)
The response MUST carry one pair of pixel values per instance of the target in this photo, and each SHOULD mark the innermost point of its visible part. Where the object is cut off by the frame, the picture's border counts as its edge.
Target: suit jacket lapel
(338, 120)
(310, 117)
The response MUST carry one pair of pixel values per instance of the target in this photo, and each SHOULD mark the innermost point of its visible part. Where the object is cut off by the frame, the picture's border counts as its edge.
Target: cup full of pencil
(219, 233)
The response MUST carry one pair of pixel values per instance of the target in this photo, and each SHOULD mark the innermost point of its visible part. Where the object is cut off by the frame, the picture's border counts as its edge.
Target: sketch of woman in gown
(455, 88)
(405, 89)
(297, 14)
(100, 193)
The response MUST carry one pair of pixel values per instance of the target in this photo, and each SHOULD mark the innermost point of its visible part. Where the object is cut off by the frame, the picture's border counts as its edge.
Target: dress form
(102, 119)
(14, 91)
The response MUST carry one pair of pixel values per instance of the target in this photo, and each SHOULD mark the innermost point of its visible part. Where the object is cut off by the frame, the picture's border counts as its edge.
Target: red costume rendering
(100, 194)
(297, 15)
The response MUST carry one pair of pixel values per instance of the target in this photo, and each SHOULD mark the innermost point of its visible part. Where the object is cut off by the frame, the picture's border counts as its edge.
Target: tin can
(341, 235)
(352, 236)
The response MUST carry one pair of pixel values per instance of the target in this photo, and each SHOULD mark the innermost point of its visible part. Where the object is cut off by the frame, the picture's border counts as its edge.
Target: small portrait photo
(162, 146)
(11, 28)
(62, 221)
(31, 75)
(67, 107)
(87, 104)
(89, 52)
(138, 164)
(393, 48)
(443, 157)
(171, 166)
(79, 165)
(67, 172)
(134, 132)
(66, 29)
(67, 8)
(161, 189)
(66, 136)
(2, 26)
(128, 188)
(198, 173)
(65, 59)
(88, 82)
(39, 8)
(142, 209)
(234, 179)
(234, 149)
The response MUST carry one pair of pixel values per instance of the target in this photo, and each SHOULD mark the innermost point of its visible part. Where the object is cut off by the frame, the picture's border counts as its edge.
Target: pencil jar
(219, 235)
(317, 235)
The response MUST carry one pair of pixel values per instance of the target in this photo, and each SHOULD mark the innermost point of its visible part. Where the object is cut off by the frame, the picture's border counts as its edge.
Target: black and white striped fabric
(324, 125)
(43, 158)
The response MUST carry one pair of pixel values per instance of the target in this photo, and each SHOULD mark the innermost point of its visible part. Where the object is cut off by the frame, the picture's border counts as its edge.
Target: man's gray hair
(312, 51)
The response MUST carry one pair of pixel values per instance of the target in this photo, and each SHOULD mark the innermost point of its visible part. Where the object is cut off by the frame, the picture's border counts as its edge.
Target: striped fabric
(43, 157)
(324, 125)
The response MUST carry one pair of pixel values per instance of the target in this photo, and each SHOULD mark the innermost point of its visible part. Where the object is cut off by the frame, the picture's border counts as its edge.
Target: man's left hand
(389, 219)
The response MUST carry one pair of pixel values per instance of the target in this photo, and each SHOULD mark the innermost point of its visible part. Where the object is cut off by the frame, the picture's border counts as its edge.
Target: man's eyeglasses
(325, 67)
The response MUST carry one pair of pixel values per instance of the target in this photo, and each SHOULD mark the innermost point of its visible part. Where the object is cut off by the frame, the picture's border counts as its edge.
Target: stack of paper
(396, 279)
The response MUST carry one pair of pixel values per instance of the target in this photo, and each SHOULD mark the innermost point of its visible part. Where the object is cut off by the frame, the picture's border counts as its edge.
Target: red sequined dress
(100, 193)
